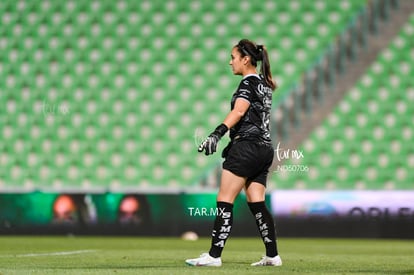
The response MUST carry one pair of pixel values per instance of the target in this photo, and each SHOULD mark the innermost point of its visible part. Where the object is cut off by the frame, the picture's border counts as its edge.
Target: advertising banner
(117, 213)
(343, 204)
(297, 213)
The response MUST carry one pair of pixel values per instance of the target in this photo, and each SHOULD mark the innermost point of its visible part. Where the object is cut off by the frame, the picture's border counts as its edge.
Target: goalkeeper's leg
(230, 187)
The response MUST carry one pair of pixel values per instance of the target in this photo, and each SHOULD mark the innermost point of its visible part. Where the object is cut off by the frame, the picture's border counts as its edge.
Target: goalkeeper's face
(237, 62)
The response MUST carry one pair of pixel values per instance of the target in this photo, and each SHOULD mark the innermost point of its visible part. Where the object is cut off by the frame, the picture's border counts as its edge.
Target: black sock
(222, 228)
(266, 226)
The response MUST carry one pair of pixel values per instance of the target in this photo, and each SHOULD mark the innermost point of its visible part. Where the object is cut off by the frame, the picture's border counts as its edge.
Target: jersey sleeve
(244, 91)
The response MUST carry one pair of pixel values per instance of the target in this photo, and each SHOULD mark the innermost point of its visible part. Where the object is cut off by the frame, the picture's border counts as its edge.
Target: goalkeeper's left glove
(209, 145)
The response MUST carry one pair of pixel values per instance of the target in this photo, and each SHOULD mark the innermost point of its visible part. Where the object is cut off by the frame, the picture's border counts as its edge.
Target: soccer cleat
(272, 261)
(204, 260)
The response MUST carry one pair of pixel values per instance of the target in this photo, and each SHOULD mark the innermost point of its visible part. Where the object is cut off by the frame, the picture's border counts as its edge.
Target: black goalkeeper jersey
(255, 124)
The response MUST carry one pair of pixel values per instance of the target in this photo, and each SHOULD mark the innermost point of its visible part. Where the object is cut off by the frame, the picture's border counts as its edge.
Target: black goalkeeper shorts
(249, 159)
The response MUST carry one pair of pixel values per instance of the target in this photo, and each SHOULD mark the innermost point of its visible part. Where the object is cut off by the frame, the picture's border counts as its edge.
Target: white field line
(61, 253)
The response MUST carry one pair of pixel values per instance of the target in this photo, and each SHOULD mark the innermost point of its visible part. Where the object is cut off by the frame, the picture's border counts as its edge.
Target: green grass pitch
(139, 255)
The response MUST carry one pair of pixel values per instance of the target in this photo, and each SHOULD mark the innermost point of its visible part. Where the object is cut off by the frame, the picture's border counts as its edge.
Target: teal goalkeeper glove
(209, 145)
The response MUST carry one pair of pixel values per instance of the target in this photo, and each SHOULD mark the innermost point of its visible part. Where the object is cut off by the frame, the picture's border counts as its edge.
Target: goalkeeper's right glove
(209, 145)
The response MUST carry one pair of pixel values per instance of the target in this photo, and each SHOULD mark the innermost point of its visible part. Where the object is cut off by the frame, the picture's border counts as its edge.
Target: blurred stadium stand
(116, 95)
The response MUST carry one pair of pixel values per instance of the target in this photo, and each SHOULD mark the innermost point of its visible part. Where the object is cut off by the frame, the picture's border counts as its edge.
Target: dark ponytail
(257, 53)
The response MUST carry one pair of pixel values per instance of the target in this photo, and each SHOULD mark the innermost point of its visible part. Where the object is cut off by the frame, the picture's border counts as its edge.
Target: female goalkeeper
(248, 155)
